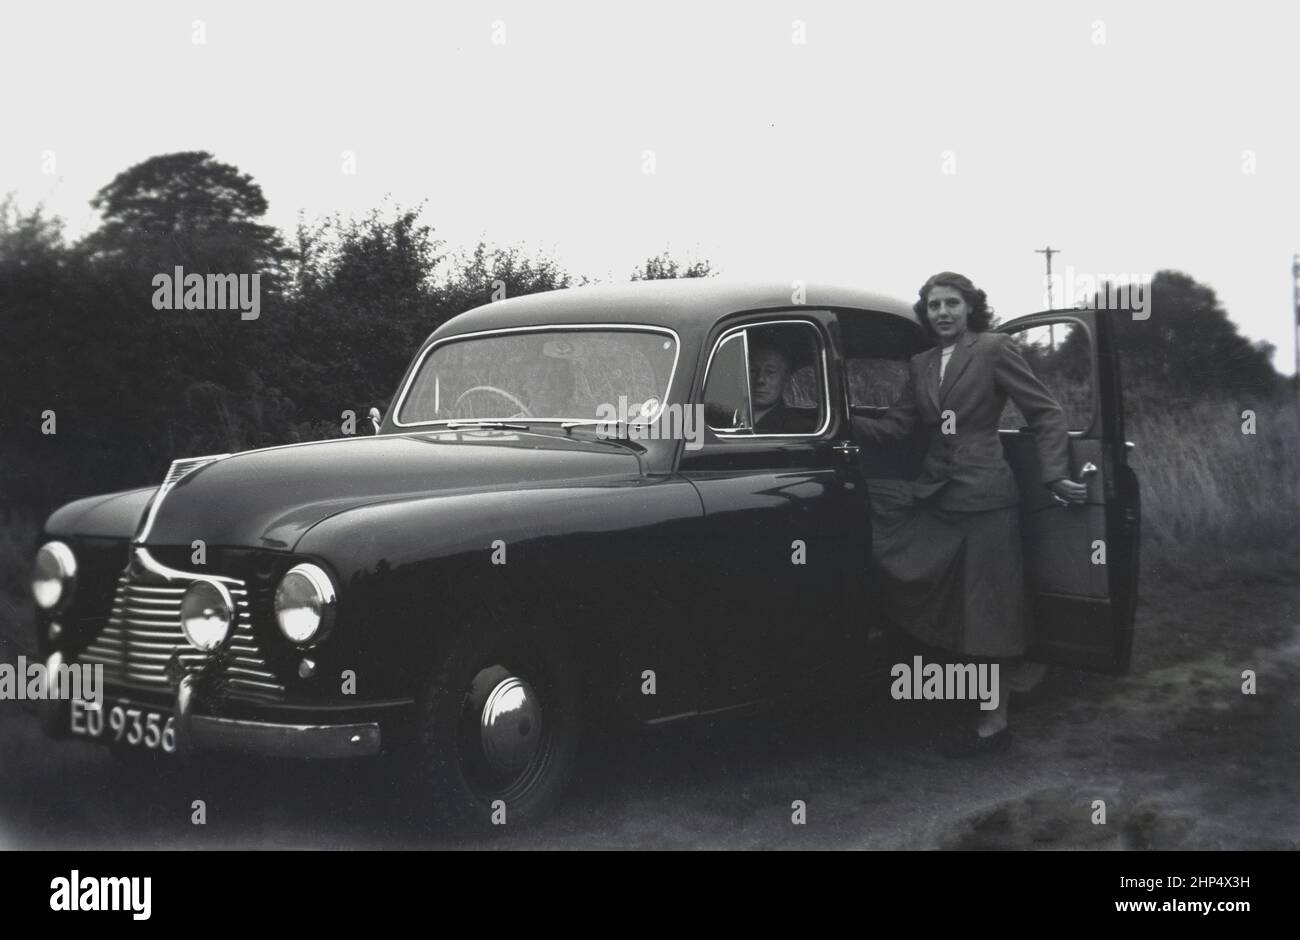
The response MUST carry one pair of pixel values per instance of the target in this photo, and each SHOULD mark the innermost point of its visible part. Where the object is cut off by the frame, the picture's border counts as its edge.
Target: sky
(870, 144)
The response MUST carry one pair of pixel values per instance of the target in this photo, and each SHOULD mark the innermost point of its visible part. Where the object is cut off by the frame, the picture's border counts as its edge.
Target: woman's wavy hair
(980, 316)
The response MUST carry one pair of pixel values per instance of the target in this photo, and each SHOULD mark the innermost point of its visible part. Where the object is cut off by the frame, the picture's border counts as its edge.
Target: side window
(877, 346)
(767, 380)
(726, 390)
(1061, 356)
(875, 383)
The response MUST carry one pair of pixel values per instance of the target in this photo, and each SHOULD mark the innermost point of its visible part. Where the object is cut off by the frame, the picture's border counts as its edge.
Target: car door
(786, 535)
(1081, 561)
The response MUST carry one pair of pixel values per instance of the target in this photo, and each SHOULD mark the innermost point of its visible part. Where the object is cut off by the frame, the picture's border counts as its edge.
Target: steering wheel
(523, 409)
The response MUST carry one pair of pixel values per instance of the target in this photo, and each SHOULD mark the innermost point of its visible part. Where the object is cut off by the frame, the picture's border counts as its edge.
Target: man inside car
(769, 377)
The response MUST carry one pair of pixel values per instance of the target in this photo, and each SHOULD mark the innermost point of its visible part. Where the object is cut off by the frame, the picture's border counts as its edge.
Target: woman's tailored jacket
(966, 467)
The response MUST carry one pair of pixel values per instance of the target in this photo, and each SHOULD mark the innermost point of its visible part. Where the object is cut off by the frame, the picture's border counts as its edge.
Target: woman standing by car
(948, 544)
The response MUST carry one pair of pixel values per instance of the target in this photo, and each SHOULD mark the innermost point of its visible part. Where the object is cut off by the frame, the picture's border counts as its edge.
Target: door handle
(846, 449)
(1087, 470)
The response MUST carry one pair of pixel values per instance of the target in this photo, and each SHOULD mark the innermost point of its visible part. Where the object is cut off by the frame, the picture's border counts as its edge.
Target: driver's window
(766, 380)
(726, 392)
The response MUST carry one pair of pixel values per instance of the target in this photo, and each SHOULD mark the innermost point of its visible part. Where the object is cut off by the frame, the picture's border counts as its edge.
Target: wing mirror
(375, 420)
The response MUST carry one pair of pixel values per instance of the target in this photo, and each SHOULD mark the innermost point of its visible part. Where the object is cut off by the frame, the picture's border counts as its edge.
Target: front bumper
(197, 732)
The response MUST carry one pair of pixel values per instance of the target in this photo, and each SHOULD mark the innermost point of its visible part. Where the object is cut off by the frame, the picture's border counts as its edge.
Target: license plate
(121, 723)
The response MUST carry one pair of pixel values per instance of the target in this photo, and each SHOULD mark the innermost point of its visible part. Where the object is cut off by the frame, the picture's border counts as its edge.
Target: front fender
(572, 557)
(111, 516)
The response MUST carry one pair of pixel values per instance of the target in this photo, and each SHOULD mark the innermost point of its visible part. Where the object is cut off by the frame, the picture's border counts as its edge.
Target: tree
(665, 267)
(365, 297)
(1187, 345)
(191, 211)
(36, 277)
(188, 209)
(487, 274)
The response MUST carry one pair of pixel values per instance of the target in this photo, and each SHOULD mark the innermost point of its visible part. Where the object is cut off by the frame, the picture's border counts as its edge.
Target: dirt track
(1180, 756)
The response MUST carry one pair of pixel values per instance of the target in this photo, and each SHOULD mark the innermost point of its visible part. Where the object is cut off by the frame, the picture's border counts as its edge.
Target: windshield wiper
(494, 425)
(568, 426)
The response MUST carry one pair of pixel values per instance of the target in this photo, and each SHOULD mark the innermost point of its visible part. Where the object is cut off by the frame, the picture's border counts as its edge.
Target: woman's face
(947, 311)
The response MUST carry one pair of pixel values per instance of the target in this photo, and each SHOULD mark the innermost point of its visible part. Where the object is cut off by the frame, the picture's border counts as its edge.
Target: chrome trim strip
(152, 565)
(251, 679)
(545, 328)
(162, 655)
(178, 470)
(749, 383)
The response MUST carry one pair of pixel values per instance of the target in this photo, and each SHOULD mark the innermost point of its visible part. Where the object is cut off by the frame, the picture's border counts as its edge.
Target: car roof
(682, 304)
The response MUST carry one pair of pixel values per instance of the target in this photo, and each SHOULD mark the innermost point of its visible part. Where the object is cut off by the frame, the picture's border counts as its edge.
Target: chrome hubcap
(510, 725)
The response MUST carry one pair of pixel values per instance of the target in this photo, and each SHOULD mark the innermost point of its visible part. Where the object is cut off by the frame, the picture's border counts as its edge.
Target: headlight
(304, 604)
(206, 613)
(55, 576)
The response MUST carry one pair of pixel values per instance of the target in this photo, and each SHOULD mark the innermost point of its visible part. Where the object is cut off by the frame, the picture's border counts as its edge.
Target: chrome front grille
(143, 634)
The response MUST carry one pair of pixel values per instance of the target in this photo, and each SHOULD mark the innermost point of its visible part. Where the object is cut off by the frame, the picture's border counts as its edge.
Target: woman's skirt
(954, 580)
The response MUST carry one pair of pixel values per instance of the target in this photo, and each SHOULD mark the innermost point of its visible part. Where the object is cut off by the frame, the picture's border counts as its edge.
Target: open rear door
(1081, 562)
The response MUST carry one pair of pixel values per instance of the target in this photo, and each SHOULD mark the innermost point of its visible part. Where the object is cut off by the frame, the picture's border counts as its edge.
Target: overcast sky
(874, 144)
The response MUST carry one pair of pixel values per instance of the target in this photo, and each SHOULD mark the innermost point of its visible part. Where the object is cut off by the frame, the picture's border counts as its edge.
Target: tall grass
(1218, 503)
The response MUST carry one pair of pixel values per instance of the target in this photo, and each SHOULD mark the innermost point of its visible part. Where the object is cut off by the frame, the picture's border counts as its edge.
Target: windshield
(547, 375)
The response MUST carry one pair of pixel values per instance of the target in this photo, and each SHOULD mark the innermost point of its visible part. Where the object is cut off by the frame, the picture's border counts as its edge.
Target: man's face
(767, 377)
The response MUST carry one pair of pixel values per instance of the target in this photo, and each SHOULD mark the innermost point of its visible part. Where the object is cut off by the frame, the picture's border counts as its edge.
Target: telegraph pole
(1051, 303)
(1295, 286)
(1049, 251)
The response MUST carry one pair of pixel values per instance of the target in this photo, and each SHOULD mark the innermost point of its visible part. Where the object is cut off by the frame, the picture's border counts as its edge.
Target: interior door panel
(1056, 536)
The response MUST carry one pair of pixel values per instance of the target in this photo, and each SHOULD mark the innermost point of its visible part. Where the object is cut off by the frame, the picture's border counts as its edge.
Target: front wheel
(500, 727)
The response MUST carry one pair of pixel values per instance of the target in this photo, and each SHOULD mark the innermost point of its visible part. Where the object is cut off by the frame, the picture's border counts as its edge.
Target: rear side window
(877, 346)
(875, 383)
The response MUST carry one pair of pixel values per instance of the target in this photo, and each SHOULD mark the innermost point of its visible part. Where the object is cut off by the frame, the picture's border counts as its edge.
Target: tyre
(500, 723)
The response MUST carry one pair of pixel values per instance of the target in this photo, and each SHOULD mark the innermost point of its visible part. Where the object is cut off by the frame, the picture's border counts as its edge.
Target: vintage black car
(632, 504)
